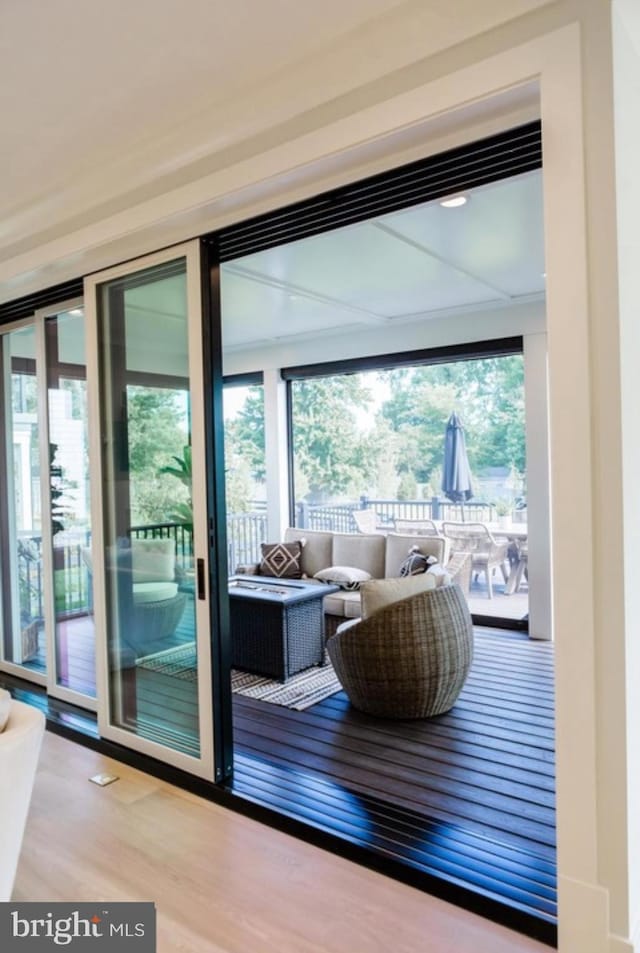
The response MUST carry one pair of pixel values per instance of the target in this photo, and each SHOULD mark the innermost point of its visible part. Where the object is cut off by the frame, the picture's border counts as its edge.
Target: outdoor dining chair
(424, 527)
(487, 553)
(365, 520)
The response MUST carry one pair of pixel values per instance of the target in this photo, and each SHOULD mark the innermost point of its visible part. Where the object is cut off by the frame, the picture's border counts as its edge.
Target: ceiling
(396, 269)
(131, 126)
(82, 83)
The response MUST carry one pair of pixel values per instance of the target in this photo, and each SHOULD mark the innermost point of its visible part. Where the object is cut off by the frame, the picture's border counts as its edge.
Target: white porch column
(276, 460)
(538, 478)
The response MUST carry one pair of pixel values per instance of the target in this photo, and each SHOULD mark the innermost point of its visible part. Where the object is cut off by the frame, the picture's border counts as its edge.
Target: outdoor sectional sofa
(380, 556)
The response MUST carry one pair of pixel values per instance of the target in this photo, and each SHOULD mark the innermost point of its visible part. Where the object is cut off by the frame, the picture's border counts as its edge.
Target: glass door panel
(153, 604)
(23, 642)
(71, 623)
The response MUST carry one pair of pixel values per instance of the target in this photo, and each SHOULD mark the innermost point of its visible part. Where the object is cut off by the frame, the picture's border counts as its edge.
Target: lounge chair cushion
(379, 593)
(146, 592)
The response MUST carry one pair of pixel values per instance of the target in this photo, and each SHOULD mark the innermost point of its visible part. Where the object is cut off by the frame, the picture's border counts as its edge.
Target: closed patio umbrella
(456, 475)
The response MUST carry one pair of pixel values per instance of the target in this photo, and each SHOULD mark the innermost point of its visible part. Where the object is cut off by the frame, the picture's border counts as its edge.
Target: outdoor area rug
(301, 691)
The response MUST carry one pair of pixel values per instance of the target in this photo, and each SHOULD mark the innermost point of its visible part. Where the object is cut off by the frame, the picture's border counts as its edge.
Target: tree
(417, 412)
(157, 432)
(244, 433)
(488, 393)
(331, 450)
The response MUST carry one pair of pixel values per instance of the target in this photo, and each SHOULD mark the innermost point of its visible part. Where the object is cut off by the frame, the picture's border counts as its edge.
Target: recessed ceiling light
(454, 202)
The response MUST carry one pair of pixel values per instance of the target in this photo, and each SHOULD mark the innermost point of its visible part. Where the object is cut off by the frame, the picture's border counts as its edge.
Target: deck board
(483, 772)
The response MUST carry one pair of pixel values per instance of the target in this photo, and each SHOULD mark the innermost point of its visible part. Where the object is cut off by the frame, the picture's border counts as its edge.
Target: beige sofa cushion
(361, 552)
(316, 552)
(342, 603)
(398, 548)
(379, 593)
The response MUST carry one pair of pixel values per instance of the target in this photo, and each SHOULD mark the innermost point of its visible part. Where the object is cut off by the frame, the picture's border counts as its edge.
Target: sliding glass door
(23, 648)
(44, 506)
(149, 553)
(69, 623)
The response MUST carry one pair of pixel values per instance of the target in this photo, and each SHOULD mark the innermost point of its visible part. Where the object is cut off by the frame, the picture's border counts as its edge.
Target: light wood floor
(222, 883)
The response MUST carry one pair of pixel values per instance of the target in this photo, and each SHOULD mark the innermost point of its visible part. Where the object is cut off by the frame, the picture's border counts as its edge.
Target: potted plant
(503, 512)
(182, 512)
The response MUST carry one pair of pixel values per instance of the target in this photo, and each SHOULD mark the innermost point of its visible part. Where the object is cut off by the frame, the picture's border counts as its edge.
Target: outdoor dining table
(516, 533)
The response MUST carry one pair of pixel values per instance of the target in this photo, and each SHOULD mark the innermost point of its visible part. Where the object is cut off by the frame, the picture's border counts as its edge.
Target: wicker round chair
(408, 660)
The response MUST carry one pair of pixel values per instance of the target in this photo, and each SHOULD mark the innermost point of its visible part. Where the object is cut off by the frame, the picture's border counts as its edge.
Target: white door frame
(204, 765)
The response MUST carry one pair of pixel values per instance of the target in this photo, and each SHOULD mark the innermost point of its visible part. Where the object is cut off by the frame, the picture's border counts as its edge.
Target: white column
(540, 568)
(276, 459)
(619, 665)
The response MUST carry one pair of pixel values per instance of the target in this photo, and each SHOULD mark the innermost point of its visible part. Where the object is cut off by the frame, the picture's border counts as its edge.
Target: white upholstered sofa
(379, 556)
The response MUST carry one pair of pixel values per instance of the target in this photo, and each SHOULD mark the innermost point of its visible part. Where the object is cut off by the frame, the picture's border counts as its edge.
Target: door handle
(202, 589)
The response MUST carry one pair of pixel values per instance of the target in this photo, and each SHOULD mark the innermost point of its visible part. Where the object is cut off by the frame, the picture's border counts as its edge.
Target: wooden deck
(468, 795)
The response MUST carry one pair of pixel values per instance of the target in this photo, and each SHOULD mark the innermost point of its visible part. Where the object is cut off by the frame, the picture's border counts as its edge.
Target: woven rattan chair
(487, 553)
(150, 602)
(408, 660)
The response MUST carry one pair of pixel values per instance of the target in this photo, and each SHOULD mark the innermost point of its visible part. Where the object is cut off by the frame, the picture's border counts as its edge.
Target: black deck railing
(71, 577)
(337, 518)
(245, 533)
(181, 535)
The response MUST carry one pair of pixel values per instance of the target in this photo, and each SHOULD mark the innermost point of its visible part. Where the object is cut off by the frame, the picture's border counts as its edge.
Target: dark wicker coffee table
(277, 625)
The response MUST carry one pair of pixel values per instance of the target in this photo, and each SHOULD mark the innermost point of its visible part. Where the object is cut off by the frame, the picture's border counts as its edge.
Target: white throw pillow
(153, 560)
(347, 577)
(379, 593)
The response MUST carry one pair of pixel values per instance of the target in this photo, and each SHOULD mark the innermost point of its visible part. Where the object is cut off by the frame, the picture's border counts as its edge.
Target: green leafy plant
(182, 512)
(59, 490)
(502, 507)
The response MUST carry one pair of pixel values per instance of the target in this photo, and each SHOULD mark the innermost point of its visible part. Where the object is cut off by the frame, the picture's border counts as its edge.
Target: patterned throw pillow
(282, 560)
(416, 562)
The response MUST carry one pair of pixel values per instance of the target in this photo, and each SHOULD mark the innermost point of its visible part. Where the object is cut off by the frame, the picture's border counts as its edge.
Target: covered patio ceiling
(397, 269)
